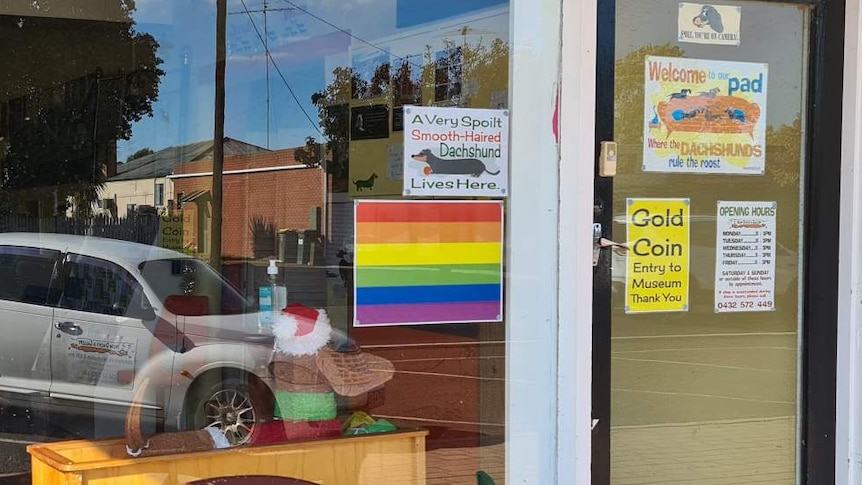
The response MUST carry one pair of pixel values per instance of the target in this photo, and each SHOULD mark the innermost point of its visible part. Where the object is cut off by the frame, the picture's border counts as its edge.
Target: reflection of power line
(265, 9)
(344, 31)
(278, 70)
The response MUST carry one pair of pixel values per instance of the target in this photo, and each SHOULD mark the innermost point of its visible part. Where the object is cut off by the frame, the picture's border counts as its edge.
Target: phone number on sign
(734, 305)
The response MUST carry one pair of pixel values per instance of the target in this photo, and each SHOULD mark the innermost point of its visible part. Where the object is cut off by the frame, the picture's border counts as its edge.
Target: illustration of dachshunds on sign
(454, 166)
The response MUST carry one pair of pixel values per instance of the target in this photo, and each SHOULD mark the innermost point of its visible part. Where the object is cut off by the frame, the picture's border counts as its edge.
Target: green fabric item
(300, 406)
(483, 478)
(379, 426)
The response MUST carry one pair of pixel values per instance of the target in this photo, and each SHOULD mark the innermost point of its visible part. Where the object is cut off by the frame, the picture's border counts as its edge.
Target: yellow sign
(171, 231)
(658, 256)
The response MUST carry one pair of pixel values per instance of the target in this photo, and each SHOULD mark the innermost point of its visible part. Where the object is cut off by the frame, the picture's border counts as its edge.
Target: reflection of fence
(142, 229)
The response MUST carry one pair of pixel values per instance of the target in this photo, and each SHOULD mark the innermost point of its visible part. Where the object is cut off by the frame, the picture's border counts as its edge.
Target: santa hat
(300, 330)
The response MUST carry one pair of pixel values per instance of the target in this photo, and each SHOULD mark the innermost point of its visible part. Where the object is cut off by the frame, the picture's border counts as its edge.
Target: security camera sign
(456, 152)
(709, 24)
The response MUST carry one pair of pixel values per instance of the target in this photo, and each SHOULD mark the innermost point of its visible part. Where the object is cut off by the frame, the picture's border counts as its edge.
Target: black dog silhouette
(709, 16)
(365, 184)
(455, 166)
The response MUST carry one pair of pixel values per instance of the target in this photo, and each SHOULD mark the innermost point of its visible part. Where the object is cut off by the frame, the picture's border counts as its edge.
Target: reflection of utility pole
(265, 8)
(218, 135)
(266, 51)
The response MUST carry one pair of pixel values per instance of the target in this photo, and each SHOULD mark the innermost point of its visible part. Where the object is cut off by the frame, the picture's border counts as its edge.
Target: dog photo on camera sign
(458, 152)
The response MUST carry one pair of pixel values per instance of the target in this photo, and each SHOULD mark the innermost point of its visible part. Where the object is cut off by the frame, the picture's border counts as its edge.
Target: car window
(98, 286)
(191, 288)
(26, 274)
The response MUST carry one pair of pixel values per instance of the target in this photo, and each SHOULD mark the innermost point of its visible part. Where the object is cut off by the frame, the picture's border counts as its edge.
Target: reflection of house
(263, 193)
(144, 182)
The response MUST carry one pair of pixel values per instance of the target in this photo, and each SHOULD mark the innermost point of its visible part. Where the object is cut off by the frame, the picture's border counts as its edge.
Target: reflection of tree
(629, 101)
(783, 153)
(69, 89)
(406, 88)
(143, 152)
(333, 107)
(468, 75)
(308, 155)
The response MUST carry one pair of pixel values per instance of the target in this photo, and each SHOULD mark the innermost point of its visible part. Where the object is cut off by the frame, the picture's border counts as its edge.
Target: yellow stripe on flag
(427, 254)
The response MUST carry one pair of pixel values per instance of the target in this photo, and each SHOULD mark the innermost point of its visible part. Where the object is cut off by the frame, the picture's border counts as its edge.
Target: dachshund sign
(709, 24)
(456, 152)
(704, 117)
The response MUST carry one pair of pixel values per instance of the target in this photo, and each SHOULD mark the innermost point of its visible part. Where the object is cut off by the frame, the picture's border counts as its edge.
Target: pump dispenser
(272, 272)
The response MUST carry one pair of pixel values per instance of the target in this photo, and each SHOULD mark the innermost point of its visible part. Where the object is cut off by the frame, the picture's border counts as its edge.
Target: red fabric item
(275, 432)
(188, 305)
(305, 317)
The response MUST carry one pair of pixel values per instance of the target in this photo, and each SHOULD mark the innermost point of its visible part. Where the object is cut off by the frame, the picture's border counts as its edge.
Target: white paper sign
(394, 161)
(99, 361)
(745, 257)
(709, 24)
(456, 152)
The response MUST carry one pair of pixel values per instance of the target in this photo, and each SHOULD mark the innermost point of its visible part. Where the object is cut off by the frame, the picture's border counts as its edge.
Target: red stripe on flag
(371, 211)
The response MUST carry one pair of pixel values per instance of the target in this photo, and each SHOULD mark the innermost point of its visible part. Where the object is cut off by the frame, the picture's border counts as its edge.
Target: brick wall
(283, 197)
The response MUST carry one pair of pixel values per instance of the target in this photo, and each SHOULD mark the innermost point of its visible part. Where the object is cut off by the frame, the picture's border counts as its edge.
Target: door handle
(600, 243)
(69, 327)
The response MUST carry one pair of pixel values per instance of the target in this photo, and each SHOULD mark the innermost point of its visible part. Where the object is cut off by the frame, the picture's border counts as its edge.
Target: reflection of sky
(305, 45)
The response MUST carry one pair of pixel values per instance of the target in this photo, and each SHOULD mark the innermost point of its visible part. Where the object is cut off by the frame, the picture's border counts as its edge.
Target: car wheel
(228, 403)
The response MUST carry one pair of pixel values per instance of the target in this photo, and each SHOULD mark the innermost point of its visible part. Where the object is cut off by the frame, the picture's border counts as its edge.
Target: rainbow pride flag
(422, 262)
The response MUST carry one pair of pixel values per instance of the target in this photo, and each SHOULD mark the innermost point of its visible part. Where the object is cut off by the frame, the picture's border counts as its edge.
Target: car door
(25, 318)
(104, 341)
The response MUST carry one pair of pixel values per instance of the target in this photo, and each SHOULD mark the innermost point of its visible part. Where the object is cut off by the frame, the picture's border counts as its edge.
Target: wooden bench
(396, 458)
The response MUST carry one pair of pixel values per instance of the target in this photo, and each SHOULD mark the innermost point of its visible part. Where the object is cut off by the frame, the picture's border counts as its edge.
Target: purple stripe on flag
(485, 311)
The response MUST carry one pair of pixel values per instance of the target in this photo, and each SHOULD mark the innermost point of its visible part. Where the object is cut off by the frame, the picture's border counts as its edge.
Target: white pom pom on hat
(300, 330)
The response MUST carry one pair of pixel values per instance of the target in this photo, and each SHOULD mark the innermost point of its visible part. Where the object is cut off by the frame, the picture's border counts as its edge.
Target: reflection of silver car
(88, 320)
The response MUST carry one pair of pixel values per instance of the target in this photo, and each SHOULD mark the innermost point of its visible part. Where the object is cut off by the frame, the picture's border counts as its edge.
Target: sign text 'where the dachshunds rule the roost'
(704, 116)
(457, 152)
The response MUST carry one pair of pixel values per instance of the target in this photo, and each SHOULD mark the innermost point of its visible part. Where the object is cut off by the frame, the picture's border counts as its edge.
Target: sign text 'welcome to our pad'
(657, 269)
(704, 116)
(456, 152)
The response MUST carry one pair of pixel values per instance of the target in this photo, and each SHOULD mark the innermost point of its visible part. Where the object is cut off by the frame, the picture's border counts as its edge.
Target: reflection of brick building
(263, 193)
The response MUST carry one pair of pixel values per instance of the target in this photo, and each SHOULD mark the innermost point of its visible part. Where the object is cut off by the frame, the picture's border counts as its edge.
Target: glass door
(707, 207)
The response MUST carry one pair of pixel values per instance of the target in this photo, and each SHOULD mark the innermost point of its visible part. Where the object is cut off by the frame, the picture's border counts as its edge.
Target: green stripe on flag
(463, 274)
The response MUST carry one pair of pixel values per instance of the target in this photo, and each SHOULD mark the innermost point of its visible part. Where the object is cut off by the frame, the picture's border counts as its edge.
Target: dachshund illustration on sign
(709, 16)
(454, 166)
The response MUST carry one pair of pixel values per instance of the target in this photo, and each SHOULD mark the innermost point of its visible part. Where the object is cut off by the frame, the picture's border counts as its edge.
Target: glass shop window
(326, 263)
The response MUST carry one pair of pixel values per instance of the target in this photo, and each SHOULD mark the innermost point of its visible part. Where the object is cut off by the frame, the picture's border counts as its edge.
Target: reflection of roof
(163, 162)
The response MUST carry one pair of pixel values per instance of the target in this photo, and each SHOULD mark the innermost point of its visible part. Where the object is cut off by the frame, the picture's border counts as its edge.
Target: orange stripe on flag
(427, 232)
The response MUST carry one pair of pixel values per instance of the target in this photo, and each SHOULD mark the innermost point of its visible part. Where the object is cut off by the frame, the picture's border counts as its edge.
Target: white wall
(848, 435)
(140, 192)
(549, 333)
(577, 129)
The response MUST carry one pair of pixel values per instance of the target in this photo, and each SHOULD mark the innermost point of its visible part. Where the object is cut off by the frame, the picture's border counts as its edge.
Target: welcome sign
(703, 116)
(456, 152)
